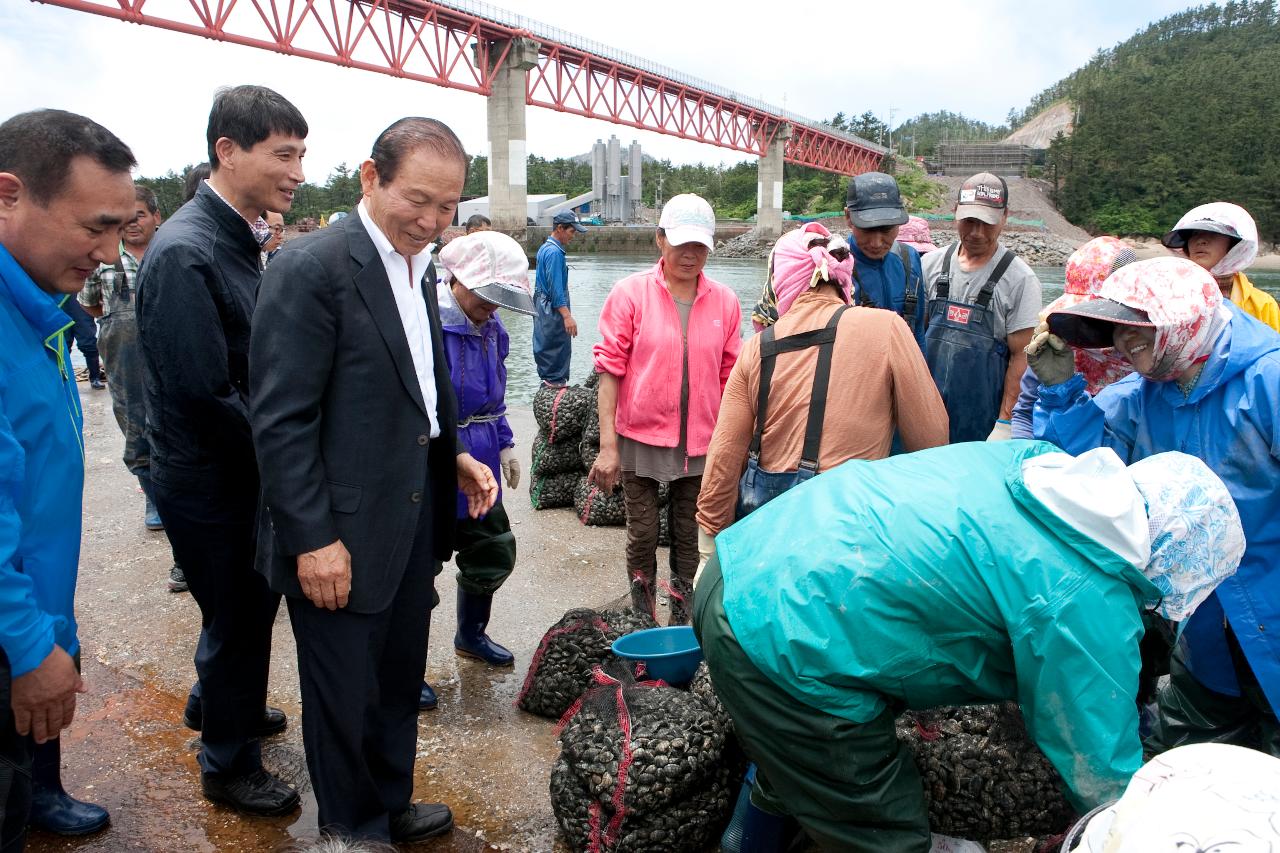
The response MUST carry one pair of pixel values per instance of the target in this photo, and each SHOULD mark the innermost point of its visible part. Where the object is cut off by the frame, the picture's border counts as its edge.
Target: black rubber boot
(471, 640)
(52, 808)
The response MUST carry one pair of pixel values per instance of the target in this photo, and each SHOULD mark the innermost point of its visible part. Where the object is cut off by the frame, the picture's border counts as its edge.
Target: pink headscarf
(1087, 268)
(1183, 302)
(800, 260)
(916, 234)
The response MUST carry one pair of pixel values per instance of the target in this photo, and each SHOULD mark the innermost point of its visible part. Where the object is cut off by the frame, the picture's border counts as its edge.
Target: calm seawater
(592, 276)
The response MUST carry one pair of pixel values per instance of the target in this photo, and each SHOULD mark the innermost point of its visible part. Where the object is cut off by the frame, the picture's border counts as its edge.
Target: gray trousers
(118, 343)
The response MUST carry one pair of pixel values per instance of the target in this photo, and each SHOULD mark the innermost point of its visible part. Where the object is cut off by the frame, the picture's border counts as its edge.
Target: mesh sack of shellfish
(560, 669)
(664, 527)
(553, 491)
(984, 778)
(642, 767)
(548, 458)
(562, 412)
(587, 452)
(596, 508)
(702, 688)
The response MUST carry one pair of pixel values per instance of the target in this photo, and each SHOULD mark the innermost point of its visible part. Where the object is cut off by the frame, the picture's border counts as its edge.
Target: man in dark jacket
(354, 420)
(195, 299)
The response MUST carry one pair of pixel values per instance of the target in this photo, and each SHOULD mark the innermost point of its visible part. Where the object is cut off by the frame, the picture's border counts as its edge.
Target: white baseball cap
(687, 218)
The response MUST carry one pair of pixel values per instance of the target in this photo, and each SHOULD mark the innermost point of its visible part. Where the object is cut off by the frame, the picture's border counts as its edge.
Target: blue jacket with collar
(41, 473)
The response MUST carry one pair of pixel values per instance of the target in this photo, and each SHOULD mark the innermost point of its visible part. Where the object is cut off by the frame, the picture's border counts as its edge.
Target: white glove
(1002, 431)
(706, 550)
(1049, 357)
(510, 466)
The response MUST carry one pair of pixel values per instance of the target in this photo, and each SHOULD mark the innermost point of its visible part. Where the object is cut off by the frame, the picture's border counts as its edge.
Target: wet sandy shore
(128, 750)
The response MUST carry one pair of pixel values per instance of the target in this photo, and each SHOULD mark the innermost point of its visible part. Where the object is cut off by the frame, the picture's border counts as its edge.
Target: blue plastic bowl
(671, 653)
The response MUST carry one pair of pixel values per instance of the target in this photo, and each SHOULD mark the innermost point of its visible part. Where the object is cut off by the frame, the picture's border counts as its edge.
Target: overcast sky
(153, 87)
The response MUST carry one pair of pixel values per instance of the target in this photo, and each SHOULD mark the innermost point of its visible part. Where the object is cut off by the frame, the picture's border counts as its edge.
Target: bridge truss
(459, 44)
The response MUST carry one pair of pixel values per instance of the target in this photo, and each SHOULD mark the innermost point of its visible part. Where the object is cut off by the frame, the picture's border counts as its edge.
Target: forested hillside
(1186, 111)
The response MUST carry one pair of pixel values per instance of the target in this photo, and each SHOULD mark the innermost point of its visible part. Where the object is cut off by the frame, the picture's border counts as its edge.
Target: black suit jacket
(339, 423)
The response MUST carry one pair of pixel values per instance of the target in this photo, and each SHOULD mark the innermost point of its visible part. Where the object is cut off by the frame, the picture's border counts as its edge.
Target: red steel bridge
(459, 44)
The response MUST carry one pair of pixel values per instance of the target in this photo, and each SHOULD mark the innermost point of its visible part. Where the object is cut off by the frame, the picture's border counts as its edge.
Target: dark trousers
(213, 538)
(1188, 712)
(361, 674)
(641, 497)
(85, 333)
(118, 338)
(15, 769)
(486, 551)
(851, 786)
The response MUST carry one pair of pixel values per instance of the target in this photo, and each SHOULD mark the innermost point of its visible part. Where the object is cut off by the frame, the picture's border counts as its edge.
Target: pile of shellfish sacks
(645, 766)
(564, 450)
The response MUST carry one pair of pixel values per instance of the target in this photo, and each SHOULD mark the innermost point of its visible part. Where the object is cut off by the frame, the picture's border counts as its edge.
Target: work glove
(1050, 357)
(510, 466)
(1002, 431)
(706, 550)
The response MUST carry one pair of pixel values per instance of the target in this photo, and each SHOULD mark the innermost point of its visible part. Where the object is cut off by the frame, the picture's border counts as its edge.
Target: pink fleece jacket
(640, 344)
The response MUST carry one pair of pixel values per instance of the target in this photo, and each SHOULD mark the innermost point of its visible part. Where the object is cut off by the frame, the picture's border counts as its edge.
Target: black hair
(407, 135)
(194, 178)
(39, 146)
(475, 220)
(249, 114)
(146, 196)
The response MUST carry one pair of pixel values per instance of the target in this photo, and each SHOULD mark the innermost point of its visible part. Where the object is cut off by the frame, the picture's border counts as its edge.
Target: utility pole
(891, 112)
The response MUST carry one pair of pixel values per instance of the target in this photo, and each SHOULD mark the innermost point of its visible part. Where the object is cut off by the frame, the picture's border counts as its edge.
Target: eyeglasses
(277, 229)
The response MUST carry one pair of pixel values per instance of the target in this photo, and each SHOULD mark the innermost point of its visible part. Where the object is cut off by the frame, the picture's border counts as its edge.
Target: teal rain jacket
(937, 578)
(41, 473)
(1231, 420)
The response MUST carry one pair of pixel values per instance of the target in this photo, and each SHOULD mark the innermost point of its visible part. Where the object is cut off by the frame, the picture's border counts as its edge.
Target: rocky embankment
(1038, 248)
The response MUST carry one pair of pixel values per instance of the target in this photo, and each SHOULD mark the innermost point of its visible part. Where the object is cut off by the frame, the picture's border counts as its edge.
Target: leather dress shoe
(255, 793)
(427, 700)
(421, 821)
(58, 812)
(273, 720)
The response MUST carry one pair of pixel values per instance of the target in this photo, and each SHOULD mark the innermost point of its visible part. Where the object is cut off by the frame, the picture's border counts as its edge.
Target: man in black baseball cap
(886, 273)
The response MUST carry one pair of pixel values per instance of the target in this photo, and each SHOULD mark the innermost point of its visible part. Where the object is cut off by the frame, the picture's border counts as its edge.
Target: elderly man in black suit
(354, 421)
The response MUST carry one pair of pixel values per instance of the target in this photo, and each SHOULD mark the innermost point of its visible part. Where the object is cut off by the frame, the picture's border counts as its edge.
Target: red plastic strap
(929, 733)
(555, 405)
(592, 491)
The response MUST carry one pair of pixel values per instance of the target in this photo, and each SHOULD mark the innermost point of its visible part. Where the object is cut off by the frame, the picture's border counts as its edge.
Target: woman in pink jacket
(669, 337)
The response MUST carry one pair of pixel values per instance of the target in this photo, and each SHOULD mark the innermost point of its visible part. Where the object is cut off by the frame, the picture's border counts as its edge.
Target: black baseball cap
(873, 201)
(1091, 324)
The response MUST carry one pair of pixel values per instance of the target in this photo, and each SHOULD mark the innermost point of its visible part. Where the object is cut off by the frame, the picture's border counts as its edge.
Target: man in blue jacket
(886, 273)
(65, 195)
(553, 324)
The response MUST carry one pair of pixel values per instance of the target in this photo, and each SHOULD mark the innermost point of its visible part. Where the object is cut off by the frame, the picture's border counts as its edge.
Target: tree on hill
(1181, 114)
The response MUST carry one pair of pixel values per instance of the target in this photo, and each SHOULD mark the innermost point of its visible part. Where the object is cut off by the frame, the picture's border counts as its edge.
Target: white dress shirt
(405, 275)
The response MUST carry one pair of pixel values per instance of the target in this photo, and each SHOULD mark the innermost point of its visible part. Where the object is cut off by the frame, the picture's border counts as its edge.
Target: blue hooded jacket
(1231, 420)
(41, 473)
(885, 284)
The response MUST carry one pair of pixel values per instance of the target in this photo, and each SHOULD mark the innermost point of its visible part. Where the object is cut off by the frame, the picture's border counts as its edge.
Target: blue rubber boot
(52, 808)
(471, 640)
(427, 701)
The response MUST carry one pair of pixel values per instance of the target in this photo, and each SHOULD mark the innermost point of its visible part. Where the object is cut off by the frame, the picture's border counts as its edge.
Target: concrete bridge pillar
(508, 162)
(769, 188)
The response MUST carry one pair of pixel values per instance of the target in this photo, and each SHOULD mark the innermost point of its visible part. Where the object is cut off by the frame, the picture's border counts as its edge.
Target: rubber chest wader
(967, 360)
(908, 312)
(758, 486)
